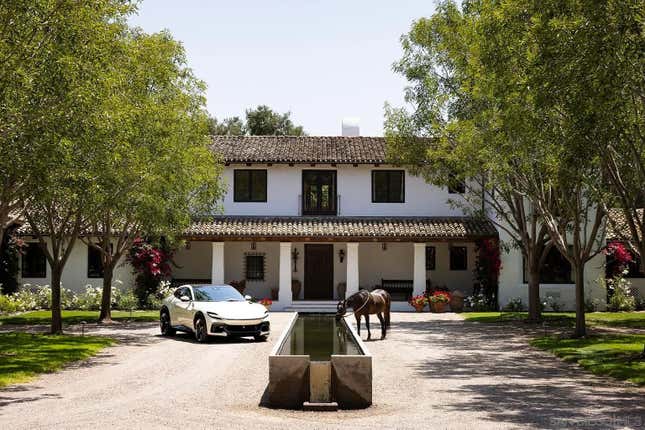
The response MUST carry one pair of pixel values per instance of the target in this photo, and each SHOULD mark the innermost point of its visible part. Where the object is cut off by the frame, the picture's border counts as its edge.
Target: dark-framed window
(94, 263)
(388, 186)
(319, 192)
(249, 185)
(254, 267)
(555, 270)
(34, 262)
(457, 187)
(431, 256)
(458, 258)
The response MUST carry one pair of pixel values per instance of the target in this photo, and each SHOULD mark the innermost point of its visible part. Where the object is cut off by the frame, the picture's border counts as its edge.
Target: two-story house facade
(325, 214)
(306, 220)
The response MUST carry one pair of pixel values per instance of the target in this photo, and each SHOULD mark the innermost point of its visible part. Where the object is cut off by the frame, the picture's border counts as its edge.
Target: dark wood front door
(319, 272)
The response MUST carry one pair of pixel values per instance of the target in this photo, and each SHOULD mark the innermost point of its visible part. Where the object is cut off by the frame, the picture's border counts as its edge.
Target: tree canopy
(261, 121)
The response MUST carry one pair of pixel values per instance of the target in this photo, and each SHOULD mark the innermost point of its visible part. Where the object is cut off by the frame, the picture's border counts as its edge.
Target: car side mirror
(248, 298)
(184, 299)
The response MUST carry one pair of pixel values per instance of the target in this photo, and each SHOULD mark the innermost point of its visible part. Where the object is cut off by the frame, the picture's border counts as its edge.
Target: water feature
(319, 363)
(320, 336)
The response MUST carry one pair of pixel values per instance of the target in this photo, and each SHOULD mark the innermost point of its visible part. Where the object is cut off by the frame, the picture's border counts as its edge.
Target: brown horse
(365, 303)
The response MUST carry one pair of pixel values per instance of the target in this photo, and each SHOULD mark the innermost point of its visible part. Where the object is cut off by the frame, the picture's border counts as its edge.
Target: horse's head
(341, 308)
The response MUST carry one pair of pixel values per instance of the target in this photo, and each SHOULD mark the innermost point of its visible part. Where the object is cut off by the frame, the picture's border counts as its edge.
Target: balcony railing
(301, 211)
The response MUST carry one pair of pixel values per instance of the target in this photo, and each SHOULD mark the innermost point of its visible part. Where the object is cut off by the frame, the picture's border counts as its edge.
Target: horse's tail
(388, 302)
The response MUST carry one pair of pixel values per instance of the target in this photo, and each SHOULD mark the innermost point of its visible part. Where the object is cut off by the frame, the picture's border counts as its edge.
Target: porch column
(419, 271)
(217, 263)
(284, 292)
(352, 268)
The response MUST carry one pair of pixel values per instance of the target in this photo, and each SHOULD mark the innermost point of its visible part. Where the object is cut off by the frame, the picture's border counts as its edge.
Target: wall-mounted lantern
(188, 244)
(341, 255)
(384, 246)
(294, 256)
(253, 246)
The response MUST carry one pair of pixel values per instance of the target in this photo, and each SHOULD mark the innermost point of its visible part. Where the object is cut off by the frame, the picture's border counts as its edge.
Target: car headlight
(214, 315)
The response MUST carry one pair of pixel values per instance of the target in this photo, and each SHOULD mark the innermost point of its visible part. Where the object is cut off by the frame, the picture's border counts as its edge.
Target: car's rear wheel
(201, 334)
(165, 325)
(260, 338)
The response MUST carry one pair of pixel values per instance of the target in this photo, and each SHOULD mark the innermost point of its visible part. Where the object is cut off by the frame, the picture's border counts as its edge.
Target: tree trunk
(535, 310)
(57, 318)
(106, 298)
(581, 327)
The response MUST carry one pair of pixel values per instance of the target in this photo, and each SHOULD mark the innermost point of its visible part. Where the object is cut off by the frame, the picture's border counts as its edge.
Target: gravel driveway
(433, 371)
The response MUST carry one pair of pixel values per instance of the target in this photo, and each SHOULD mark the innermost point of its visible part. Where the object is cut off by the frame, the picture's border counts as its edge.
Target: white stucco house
(330, 211)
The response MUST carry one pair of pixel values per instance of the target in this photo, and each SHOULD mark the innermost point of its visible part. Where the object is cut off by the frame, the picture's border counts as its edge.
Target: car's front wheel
(164, 323)
(201, 333)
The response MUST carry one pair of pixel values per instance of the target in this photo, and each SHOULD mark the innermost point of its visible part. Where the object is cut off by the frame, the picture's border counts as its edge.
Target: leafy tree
(62, 91)
(233, 126)
(261, 121)
(453, 133)
(153, 167)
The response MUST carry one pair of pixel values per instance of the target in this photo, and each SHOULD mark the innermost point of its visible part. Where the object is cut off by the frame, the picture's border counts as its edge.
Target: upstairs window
(388, 186)
(250, 185)
(430, 258)
(254, 267)
(458, 258)
(34, 262)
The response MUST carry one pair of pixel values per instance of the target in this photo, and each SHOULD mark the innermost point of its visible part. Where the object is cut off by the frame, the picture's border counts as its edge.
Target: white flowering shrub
(552, 303)
(478, 303)
(514, 305)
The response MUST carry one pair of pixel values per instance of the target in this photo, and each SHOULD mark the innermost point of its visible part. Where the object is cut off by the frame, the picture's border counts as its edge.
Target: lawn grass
(24, 355)
(613, 319)
(75, 317)
(618, 356)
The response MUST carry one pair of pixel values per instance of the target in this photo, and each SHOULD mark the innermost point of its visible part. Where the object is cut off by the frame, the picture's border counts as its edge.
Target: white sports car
(213, 310)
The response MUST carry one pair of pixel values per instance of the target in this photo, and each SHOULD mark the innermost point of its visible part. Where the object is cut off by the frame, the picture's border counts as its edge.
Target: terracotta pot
(439, 307)
(419, 308)
(295, 289)
(457, 304)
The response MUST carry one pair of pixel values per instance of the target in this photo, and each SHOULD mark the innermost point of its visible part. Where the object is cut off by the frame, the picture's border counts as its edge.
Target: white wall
(511, 282)
(354, 185)
(397, 261)
(75, 272)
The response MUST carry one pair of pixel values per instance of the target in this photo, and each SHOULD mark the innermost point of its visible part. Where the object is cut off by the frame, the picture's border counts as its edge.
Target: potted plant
(439, 301)
(266, 303)
(418, 302)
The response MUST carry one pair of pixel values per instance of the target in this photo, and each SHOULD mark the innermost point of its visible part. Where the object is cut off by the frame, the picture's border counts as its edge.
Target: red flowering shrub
(487, 268)
(265, 302)
(151, 264)
(618, 257)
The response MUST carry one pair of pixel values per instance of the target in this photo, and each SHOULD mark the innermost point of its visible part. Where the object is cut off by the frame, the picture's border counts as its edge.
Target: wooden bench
(400, 290)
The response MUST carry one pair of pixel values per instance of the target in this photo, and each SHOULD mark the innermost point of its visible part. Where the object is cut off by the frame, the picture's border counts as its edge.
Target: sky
(320, 60)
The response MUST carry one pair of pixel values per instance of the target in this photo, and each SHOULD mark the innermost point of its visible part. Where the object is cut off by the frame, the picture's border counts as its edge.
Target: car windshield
(217, 293)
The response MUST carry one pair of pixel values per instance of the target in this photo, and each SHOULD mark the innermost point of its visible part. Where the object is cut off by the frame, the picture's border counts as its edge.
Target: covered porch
(298, 261)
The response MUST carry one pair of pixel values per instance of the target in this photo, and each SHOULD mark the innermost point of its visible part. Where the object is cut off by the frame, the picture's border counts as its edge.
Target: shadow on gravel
(521, 386)
(6, 397)
(212, 340)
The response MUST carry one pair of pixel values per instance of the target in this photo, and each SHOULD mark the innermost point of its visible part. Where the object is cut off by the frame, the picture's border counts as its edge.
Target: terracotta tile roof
(617, 227)
(300, 149)
(341, 228)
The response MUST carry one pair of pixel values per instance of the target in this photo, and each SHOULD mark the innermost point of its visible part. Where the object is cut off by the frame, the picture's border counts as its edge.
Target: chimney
(350, 127)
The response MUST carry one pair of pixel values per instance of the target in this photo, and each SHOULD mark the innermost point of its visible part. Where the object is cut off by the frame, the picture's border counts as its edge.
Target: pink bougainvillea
(619, 257)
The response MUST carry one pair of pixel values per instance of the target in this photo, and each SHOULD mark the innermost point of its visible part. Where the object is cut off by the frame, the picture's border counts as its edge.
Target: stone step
(320, 407)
